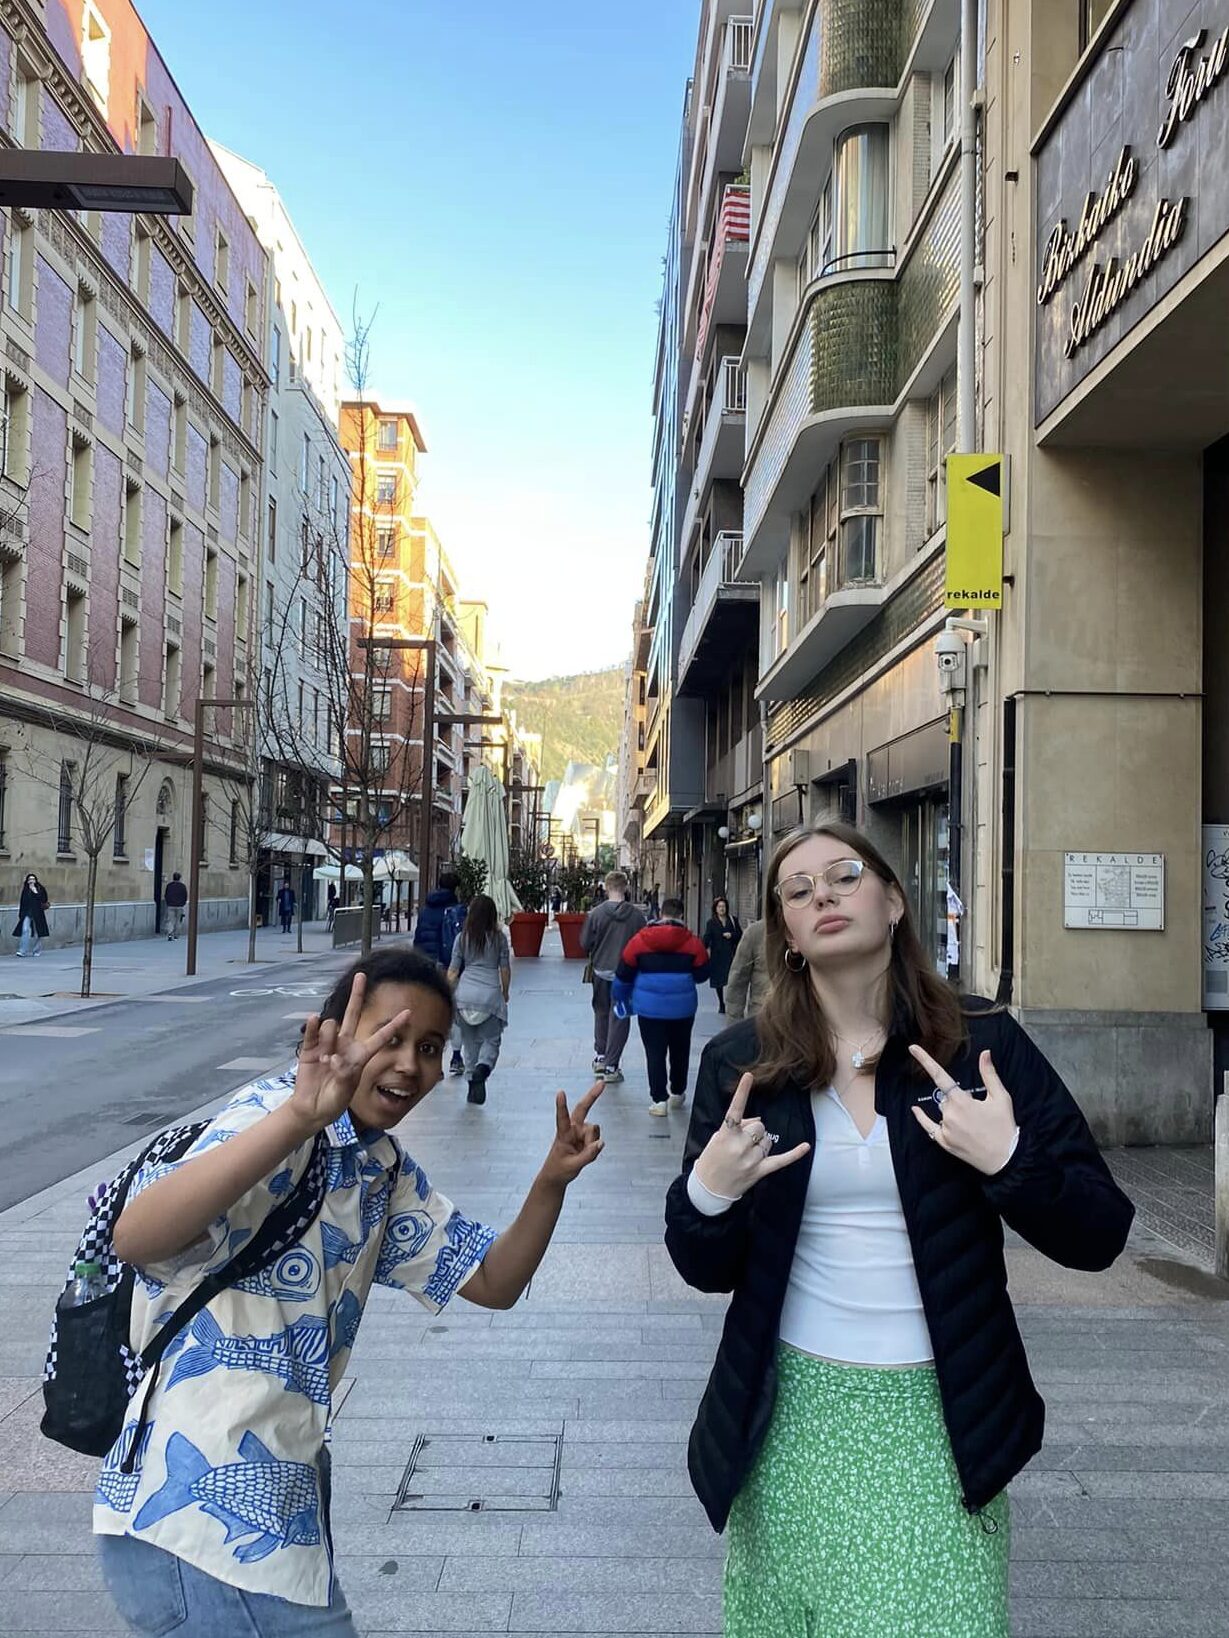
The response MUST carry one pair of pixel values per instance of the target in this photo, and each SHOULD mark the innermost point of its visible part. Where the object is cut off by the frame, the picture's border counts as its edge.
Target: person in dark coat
(176, 900)
(429, 928)
(853, 1154)
(722, 937)
(331, 906)
(285, 904)
(32, 911)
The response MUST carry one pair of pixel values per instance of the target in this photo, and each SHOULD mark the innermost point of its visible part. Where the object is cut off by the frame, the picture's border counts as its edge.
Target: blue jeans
(157, 1593)
(29, 937)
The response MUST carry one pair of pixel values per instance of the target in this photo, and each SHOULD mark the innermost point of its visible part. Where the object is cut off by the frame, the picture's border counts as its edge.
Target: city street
(551, 1495)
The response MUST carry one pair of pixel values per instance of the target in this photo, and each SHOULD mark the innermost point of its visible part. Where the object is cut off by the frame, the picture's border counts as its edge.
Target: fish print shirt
(229, 1475)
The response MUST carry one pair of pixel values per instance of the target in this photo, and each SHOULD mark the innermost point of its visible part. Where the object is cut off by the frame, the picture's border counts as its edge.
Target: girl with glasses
(853, 1154)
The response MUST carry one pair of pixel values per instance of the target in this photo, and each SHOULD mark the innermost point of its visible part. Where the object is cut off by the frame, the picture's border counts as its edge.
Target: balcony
(724, 616)
(722, 123)
(723, 444)
(725, 280)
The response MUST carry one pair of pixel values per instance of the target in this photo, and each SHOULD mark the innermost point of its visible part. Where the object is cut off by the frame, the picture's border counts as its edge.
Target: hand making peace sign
(739, 1153)
(332, 1058)
(981, 1132)
(577, 1144)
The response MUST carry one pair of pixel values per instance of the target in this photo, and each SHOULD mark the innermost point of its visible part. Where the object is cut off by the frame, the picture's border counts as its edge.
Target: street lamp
(198, 837)
(53, 180)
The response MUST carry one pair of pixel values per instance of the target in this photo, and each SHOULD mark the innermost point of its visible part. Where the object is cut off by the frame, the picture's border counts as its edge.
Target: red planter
(525, 929)
(569, 923)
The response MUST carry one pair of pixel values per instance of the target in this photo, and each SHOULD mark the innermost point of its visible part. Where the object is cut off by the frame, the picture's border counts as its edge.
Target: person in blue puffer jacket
(657, 978)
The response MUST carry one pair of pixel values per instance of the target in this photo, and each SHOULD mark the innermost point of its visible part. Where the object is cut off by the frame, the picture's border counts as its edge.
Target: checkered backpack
(92, 1373)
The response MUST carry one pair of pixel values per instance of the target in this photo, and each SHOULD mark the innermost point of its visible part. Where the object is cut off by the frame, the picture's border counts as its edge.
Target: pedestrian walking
(32, 909)
(481, 975)
(852, 1157)
(657, 978)
(722, 937)
(176, 899)
(429, 928)
(286, 904)
(748, 983)
(216, 1518)
(556, 901)
(331, 903)
(607, 930)
(454, 920)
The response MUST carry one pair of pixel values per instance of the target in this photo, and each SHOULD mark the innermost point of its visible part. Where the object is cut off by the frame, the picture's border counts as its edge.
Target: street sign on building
(1123, 891)
(974, 578)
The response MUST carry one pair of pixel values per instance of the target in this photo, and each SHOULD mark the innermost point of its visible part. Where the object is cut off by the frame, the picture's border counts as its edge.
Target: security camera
(951, 656)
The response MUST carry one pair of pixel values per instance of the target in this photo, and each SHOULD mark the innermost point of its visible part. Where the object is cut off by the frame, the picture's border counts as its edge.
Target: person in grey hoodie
(607, 930)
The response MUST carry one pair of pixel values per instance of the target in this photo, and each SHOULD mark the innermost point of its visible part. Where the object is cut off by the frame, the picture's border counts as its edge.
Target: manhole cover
(481, 1473)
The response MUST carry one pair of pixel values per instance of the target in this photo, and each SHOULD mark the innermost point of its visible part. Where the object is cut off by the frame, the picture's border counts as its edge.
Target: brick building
(134, 390)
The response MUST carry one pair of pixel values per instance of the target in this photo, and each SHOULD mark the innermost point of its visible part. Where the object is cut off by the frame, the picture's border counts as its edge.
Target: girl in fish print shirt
(223, 1524)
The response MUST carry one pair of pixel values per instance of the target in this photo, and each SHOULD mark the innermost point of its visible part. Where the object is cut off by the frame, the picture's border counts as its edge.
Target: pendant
(856, 1059)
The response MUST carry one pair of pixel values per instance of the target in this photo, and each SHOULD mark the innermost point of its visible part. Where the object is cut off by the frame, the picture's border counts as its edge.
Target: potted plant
(575, 881)
(529, 876)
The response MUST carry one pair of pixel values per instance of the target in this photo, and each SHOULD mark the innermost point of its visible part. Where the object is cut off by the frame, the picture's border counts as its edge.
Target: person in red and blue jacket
(657, 978)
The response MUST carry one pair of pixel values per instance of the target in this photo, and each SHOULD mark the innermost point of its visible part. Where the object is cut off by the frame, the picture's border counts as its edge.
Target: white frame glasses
(840, 866)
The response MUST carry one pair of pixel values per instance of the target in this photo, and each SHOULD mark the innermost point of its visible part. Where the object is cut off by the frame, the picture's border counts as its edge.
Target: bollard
(1220, 1183)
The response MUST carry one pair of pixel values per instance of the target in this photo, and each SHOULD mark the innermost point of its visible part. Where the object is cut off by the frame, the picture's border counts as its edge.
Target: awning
(279, 843)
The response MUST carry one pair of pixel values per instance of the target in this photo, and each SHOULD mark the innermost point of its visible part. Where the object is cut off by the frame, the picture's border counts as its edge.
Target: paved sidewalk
(48, 985)
(1118, 1525)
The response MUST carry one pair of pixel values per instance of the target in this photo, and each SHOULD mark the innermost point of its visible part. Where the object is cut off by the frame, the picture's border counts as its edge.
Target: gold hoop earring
(801, 965)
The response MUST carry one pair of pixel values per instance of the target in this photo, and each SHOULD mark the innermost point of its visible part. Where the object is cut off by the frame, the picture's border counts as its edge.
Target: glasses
(842, 877)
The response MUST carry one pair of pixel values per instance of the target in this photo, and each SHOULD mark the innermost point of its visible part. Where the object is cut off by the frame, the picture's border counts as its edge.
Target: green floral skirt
(850, 1524)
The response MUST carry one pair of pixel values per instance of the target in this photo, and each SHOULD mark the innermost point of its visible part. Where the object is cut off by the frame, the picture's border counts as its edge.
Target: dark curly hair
(396, 964)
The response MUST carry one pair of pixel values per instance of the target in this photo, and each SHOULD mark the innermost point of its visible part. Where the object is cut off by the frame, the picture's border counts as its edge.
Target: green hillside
(580, 718)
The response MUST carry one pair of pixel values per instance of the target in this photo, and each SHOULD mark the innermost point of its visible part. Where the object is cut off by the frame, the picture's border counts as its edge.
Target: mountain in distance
(580, 718)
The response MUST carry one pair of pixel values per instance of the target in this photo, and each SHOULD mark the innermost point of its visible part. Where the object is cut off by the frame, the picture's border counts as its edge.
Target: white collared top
(229, 1470)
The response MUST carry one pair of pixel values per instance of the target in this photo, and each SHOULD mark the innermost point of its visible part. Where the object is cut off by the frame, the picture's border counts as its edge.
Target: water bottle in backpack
(87, 1285)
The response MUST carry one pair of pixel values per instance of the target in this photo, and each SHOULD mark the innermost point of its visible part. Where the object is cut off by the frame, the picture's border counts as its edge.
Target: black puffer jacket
(1056, 1192)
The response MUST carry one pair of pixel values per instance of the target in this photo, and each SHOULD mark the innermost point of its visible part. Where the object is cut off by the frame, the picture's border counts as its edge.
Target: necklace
(858, 1056)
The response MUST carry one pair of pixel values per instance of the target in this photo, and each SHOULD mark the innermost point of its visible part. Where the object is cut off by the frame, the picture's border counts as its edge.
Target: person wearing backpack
(212, 1508)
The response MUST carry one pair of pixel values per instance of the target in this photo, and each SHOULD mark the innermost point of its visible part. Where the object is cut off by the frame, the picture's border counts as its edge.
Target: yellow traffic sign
(974, 578)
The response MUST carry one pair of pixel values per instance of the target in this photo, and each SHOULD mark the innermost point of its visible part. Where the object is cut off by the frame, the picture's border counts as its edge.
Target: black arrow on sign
(989, 478)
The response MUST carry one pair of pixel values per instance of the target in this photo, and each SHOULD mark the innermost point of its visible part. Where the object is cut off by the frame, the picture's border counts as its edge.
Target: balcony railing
(718, 577)
(739, 38)
(733, 229)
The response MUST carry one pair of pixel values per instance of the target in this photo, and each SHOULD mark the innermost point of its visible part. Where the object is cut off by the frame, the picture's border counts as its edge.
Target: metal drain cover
(481, 1473)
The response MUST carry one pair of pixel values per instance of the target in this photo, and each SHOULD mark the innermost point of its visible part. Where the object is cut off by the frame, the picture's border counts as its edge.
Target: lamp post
(198, 829)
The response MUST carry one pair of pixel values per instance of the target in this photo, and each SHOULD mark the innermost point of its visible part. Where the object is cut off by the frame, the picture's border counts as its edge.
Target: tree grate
(481, 1473)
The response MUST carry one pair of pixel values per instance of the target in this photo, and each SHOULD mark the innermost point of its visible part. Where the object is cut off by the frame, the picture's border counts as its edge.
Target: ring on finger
(733, 1124)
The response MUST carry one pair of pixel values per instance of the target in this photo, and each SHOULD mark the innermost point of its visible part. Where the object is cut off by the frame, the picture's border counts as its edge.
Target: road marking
(288, 992)
(57, 1031)
(247, 1063)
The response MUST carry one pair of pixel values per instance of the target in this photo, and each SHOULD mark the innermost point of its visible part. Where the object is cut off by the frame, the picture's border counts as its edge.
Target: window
(247, 407)
(141, 259)
(305, 462)
(321, 482)
(275, 357)
(818, 549)
(1092, 14)
(95, 54)
(947, 124)
(315, 733)
(221, 262)
(817, 251)
(242, 609)
(384, 599)
(381, 702)
(386, 489)
(179, 455)
(14, 433)
(861, 510)
(82, 479)
(132, 524)
(940, 441)
(379, 756)
(10, 606)
(273, 443)
(128, 662)
(183, 319)
(211, 584)
(118, 849)
(85, 333)
(245, 505)
(269, 611)
(137, 381)
(208, 684)
(172, 673)
(214, 496)
(27, 109)
(251, 309)
(386, 542)
(334, 499)
(147, 128)
(233, 845)
(387, 437)
(217, 367)
(64, 822)
(174, 557)
(20, 288)
(860, 175)
(302, 696)
(272, 540)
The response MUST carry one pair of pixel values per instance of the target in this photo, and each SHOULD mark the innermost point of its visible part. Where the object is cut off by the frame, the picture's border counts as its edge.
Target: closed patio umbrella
(484, 836)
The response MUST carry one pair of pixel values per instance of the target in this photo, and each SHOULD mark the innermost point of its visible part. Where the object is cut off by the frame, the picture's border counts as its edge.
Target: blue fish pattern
(280, 1183)
(119, 1489)
(338, 1247)
(294, 1277)
(411, 1169)
(274, 1503)
(344, 1317)
(404, 1239)
(298, 1355)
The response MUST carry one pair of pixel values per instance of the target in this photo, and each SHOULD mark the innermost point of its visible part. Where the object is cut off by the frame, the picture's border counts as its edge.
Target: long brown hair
(794, 1034)
(481, 926)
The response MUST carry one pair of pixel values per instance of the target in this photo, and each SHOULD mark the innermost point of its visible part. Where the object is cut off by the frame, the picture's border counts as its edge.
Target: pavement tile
(583, 1575)
(1117, 1618)
(615, 1612)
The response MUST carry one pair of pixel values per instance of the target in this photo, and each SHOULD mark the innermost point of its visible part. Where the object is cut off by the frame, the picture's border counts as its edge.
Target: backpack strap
(283, 1228)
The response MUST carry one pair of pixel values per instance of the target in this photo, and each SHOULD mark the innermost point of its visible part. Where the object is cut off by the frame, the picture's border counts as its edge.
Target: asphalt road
(76, 1088)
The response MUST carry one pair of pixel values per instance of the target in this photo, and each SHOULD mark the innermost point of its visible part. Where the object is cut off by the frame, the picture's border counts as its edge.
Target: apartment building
(633, 784)
(852, 299)
(304, 550)
(130, 469)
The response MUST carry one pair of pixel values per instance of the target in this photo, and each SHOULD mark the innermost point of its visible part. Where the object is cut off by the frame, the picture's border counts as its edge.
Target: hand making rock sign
(739, 1153)
(980, 1131)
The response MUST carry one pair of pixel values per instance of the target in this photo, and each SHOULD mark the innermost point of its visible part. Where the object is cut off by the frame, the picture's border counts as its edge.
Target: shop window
(940, 442)
(861, 511)
(924, 857)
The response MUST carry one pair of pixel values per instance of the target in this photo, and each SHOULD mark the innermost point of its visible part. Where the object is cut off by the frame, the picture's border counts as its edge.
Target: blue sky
(497, 178)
